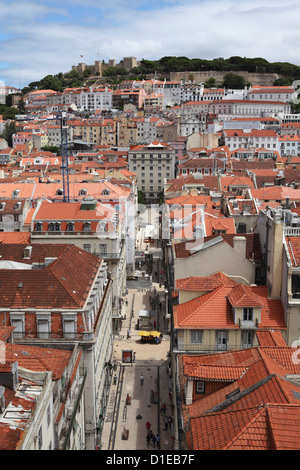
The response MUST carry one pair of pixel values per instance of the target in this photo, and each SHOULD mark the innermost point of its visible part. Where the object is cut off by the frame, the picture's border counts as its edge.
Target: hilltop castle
(99, 66)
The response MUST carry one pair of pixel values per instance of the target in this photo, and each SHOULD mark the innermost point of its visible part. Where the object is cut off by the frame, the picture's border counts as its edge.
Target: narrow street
(132, 404)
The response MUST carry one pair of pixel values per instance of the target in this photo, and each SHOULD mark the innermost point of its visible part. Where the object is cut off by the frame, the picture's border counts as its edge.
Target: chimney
(239, 244)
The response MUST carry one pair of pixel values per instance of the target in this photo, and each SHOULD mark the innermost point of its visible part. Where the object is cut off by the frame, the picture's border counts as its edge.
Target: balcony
(70, 234)
(204, 348)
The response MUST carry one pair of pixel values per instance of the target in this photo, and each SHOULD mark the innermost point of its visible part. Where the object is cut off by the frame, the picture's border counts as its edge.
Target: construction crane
(64, 157)
(62, 117)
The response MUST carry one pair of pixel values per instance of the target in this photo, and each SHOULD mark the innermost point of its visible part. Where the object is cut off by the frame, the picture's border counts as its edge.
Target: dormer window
(86, 227)
(102, 226)
(105, 192)
(247, 314)
(2, 206)
(83, 192)
(38, 227)
(70, 227)
(54, 227)
(60, 192)
(16, 193)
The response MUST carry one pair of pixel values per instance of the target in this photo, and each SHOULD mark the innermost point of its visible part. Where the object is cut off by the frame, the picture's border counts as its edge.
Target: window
(247, 339)
(70, 227)
(69, 327)
(43, 326)
(87, 247)
(38, 227)
(82, 192)
(248, 314)
(200, 386)
(196, 336)
(54, 227)
(221, 340)
(18, 321)
(102, 250)
(86, 227)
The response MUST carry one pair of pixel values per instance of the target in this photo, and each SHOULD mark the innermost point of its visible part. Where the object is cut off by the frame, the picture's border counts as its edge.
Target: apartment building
(146, 129)
(94, 227)
(152, 164)
(154, 101)
(171, 91)
(220, 314)
(228, 109)
(54, 134)
(273, 93)
(45, 386)
(59, 296)
(250, 139)
(191, 91)
(289, 145)
(135, 97)
(279, 231)
(13, 213)
(96, 99)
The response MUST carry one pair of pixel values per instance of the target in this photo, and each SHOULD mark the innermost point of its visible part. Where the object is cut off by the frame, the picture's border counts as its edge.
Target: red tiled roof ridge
(230, 372)
(259, 413)
(199, 302)
(52, 267)
(242, 296)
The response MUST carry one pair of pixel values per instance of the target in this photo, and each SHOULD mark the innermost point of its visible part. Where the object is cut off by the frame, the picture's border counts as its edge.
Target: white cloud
(194, 28)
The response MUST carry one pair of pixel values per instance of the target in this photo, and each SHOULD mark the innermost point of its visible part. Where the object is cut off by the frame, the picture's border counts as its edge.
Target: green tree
(7, 112)
(141, 198)
(21, 106)
(9, 130)
(210, 83)
(51, 148)
(234, 81)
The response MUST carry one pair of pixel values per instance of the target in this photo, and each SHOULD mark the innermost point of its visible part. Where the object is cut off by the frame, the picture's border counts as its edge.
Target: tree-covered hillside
(165, 65)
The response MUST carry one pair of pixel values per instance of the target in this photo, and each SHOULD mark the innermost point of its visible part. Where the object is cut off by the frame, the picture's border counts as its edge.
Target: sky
(42, 37)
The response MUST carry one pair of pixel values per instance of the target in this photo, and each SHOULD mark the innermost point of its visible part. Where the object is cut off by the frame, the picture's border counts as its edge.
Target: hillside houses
(223, 174)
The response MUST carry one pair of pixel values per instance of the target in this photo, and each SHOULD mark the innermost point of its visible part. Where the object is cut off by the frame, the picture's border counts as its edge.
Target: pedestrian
(163, 408)
(170, 421)
(153, 440)
(148, 438)
(128, 334)
(115, 379)
(148, 426)
(166, 421)
(133, 356)
(157, 440)
(142, 378)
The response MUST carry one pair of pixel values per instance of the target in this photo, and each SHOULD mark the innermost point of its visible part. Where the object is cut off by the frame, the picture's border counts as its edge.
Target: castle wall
(262, 79)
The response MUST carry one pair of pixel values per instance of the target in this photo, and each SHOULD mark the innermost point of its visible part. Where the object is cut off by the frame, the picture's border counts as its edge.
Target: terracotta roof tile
(242, 296)
(214, 309)
(65, 282)
(259, 410)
